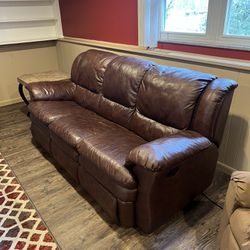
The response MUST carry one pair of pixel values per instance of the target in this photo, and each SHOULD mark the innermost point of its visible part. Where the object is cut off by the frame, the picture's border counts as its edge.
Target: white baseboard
(225, 168)
(10, 101)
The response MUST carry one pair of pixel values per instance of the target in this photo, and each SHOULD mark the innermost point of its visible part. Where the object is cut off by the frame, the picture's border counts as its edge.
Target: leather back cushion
(121, 83)
(149, 129)
(87, 98)
(169, 95)
(123, 78)
(151, 100)
(89, 67)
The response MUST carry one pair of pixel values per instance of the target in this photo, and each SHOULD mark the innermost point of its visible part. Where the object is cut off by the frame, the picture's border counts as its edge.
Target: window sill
(234, 64)
(205, 59)
(221, 44)
(26, 41)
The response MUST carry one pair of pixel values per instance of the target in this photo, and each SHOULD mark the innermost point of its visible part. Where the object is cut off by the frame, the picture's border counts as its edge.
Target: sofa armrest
(168, 152)
(51, 91)
(170, 172)
(240, 181)
(238, 192)
(238, 195)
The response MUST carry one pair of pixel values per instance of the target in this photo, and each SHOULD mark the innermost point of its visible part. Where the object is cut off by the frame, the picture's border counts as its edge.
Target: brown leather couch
(141, 138)
(234, 233)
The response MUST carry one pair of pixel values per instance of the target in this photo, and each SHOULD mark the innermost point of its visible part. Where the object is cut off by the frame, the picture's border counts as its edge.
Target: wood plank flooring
(77, 221)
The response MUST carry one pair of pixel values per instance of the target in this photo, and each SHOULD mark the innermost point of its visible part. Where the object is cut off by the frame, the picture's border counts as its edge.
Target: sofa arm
(240, 180)
(168, 152)
(51, 91)
(169, 173)
(238, 195)
(238, 192)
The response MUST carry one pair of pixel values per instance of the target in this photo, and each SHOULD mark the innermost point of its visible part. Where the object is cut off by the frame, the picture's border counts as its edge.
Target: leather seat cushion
(73, 129)
(108, 151)
(102, 142)
(49, 111)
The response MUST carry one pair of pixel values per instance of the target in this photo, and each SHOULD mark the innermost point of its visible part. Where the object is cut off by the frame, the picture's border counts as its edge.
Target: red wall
(103, 20)
(229, 53)
(116, 21)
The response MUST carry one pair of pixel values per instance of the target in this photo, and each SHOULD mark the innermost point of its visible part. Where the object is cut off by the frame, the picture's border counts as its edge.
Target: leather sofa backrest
(168, 96)
(121, 83)
(151, 100)
(87, 73)
(89, 67)
(123, 78)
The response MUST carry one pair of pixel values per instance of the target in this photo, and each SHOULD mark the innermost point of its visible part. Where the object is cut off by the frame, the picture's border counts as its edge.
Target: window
(238, 18)
(217, 23)
(186, 16)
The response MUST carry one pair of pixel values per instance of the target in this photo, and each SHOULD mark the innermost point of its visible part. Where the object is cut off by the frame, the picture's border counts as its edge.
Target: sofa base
(119, 211)
(64, 160)
(42, 136)
(40, 133)
(66, 156)
(167, 193)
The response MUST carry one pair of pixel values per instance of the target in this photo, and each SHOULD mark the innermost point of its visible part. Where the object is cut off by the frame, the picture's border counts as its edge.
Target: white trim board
(29, 21)
(213, 61)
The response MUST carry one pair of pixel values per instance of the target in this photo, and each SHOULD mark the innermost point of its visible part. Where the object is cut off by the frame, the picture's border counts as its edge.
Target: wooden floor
(75, 219)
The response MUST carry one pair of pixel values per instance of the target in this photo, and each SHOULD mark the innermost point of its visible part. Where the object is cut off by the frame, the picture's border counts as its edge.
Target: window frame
(151, 29)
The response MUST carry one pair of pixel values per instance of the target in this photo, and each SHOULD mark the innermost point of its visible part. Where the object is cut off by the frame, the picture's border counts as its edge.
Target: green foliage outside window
(238, 18)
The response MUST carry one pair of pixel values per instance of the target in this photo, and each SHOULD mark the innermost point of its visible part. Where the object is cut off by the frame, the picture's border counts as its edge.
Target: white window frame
(149, 22)
(151, 19)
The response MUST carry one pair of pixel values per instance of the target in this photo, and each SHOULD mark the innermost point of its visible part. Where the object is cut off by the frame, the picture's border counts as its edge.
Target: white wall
(16, 60)
(26, 21)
